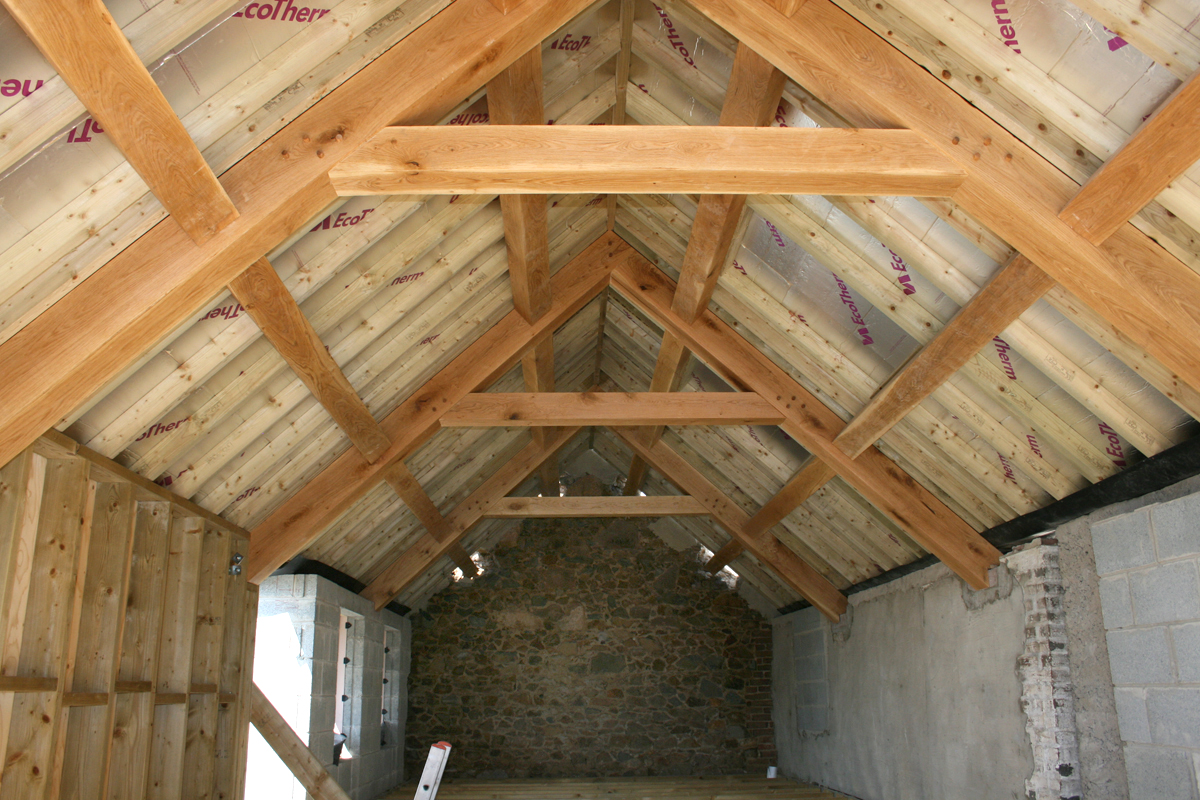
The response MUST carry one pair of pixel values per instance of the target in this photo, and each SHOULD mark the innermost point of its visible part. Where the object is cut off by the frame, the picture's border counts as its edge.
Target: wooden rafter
(69, 353)
(515, 98)
(491, 409)
(1160, 151)
(811, 585)
(422, 555)
(93, 57)
(1013, 289)
(269, 303)
(751, 98)
(925, 518)
(303, 517)
(586, 159)
(1146, 293)
(811, 477)
(1130, 179)
(666, 506)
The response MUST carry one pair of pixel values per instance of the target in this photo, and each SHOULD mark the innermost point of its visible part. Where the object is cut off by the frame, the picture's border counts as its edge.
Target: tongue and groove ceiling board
(118, 329)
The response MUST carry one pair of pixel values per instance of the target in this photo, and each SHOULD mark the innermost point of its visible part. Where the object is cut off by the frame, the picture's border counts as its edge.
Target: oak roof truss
(386, 271)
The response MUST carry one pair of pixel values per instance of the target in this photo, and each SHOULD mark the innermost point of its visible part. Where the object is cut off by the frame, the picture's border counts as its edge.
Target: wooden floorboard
(726, 787)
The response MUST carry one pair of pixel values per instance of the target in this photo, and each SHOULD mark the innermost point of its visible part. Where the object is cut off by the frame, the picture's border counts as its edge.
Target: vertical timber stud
(515, 98)
(755, 87)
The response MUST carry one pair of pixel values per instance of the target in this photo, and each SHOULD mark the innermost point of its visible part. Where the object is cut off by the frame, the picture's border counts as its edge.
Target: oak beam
(304, 516)
(1162, 149)
(422, 555)
(406, 485)
(720, 559)
(492, 409)
(1142, 290)
(916, 510)
(70, 353)
(811, 585)
(291, 749)
(599, 159)
(269, 303)
(811, 477)
(572, 507)
(93, 57)
(996, 306)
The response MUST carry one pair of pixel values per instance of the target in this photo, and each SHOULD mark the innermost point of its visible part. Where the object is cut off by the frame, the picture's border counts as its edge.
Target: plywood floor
(733, 787)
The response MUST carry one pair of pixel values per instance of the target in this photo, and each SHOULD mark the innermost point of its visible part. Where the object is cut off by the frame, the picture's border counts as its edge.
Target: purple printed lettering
(855, 317)
(90, 126)
(409, 278)
(12, 87)
(230, 311)
(567, 43)
(775, 235)
(674, 38)
(1007, 31)
(1033, 445)
(1002, 348)
(158, 427)
(281, 11)
(1114, 449)
(905, 279)
(344, 220)
(1008, 470)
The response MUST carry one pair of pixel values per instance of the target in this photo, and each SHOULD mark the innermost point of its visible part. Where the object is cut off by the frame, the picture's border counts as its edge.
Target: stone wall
(590, 648)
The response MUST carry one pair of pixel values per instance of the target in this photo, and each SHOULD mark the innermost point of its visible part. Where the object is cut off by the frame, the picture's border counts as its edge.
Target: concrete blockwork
(313, 607)
(935, 691)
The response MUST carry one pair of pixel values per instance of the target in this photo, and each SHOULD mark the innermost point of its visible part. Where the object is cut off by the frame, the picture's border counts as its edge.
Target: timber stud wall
(122, 660)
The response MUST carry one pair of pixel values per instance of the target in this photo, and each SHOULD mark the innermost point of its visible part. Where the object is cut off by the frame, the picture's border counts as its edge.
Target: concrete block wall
(1148, 561)
(315, 606)
(928, 689)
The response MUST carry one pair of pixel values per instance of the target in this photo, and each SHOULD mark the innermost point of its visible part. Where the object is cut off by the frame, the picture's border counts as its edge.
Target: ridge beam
(597, 159)
(493, 409)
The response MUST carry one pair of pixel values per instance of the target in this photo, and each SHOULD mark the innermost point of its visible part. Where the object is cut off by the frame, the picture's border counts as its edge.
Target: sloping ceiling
(839, 292)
